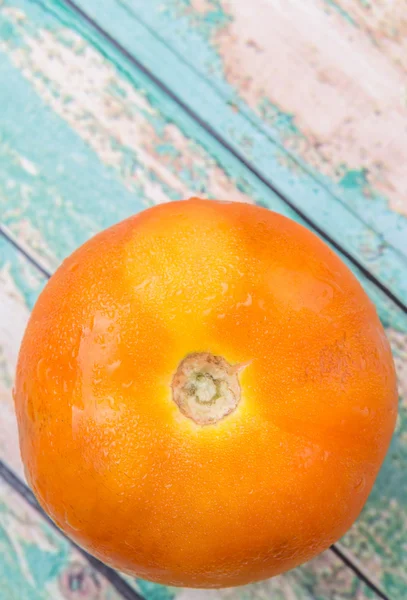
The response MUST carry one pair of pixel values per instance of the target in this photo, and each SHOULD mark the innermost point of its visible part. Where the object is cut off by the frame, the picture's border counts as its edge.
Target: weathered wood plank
(384, 22)
(322, 124)
(109, 138)
(40, 564)
(15, 275)
(328, 85)
(151, 146)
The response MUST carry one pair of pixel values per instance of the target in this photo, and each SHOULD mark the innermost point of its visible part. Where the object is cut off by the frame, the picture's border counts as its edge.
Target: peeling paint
(342, 90)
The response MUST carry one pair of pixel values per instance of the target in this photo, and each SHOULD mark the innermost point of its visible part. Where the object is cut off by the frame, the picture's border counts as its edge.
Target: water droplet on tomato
(113, 366)
(127, 384)
(40, 370)
(73, 267)
(360, 484)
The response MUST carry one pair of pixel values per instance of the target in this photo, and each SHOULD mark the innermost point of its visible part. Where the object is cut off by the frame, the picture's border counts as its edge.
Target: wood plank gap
(26, 252)
(350, 561)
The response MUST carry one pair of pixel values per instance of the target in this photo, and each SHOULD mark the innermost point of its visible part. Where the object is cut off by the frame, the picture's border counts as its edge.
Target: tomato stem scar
(206, 387)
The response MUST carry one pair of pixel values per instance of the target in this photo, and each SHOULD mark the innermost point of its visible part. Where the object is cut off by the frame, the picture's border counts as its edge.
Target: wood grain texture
(333, 71)
(384, 22)
(85, 140)
(38, 563)
(322, 115)
(155, 148)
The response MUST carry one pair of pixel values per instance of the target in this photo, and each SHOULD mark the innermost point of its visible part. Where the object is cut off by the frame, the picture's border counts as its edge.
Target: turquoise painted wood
(152, 150)
(170, 39)
(87, 139)
(39, 564)
(235, 49)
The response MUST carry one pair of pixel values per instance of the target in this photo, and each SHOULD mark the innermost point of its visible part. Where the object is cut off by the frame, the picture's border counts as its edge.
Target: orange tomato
(205, 395)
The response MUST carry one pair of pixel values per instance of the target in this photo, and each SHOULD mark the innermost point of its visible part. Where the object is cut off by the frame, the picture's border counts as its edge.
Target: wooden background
(110, 106)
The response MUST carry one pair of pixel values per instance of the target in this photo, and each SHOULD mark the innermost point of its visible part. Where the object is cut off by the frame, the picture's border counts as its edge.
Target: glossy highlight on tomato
(204, 394)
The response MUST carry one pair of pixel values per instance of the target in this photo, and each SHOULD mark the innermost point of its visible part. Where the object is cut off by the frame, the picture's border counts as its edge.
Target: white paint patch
(28, 166)
(347, 96)
(13, 319)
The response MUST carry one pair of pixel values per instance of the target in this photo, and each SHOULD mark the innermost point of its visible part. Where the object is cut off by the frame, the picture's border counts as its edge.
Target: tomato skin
(125, 474)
